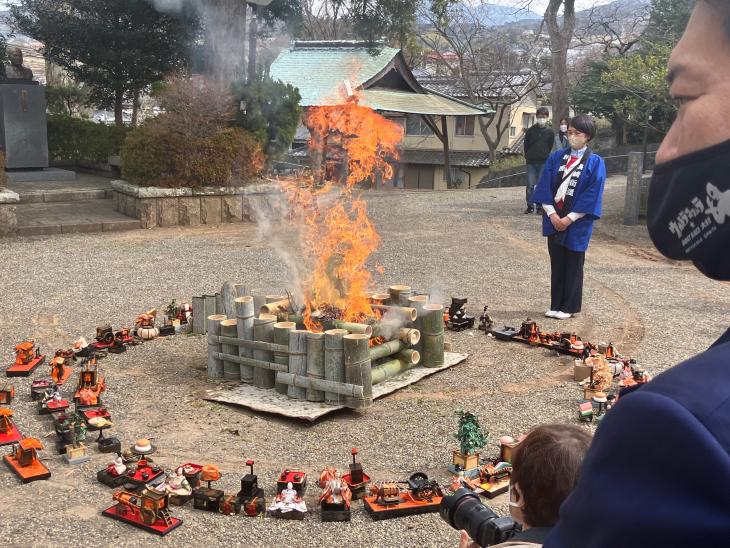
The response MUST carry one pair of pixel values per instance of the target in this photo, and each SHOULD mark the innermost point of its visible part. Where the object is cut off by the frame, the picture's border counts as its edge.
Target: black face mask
(688, 212)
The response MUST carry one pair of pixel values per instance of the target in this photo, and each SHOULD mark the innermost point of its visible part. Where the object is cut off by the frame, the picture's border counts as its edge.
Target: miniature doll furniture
(297, 478)
(9, 433)
(7, 393)
(146, 509)
(251, 496)
(24, 461)
(356, 480)
(27, 358)
(207, 498)
(60, 371)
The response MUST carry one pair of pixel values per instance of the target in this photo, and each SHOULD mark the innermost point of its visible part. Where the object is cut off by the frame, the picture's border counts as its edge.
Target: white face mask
(563, 128)
(577, 142)
(509, 494)
(541, 121)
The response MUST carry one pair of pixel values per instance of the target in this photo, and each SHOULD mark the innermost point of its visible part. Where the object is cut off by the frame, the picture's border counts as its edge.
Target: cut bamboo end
(356, 336)
(381, 298)
(412, 356)
(433, 307)
(244, 299)
(274, 298)
(410, 336)
(217, 317)
(400, 288)
(285, 325)
(229, 323)
(336, 332)
(266, 318)
(418, 299)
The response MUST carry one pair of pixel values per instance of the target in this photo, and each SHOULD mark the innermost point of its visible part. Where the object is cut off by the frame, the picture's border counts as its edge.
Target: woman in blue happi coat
(570, 191)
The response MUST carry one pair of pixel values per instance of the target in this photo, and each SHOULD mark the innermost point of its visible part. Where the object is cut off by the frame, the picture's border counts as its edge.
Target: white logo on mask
(720, 209)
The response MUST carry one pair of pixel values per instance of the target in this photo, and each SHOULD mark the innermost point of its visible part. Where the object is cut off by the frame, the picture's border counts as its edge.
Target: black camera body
(464, 510)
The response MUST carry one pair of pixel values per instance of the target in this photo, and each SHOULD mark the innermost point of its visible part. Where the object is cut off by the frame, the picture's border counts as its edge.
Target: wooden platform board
(25, 370)
(404, 508)
(270, 401)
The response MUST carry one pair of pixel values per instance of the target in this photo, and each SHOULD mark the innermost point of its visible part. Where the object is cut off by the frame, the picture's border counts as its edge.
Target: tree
(591, 95)
(116, 48)
(616, 28)
(560, 37)
(493, 67)
(368, 20)
(66, 98)
(641, 93)
(469, 434)
(272, 112)
(667, 21)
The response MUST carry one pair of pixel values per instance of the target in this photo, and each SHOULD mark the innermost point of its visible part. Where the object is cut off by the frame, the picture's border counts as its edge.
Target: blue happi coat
(587, 198)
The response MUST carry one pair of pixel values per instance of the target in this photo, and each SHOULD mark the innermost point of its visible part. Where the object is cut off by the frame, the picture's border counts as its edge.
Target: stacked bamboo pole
(333, 360)
(404, 312)
(297, 361)
(244, 328)
(433, 335)
(357, 369)
(418, 302)
(386, 349)
(215, 364)
(263, 330)
(231, 369)
(315, 363)
(281, 337)
(399, 294)
(338, 366)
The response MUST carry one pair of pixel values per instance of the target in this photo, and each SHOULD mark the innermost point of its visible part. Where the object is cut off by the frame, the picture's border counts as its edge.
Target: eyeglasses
(572, 132)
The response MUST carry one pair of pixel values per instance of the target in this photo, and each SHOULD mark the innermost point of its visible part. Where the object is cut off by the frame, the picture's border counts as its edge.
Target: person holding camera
(635, 490)
(546, 465)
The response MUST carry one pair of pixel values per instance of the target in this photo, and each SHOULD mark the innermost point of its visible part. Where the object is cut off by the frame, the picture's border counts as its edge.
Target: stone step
(65, 195)
(44, 218)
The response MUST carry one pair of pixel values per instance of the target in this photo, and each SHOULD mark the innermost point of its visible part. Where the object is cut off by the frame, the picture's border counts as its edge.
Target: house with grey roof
(433, 154)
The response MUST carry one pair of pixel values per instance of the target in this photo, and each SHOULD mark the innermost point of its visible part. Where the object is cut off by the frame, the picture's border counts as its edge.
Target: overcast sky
(538, 6)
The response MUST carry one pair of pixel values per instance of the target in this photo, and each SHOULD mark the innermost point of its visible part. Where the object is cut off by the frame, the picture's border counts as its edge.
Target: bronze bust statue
(15, 70)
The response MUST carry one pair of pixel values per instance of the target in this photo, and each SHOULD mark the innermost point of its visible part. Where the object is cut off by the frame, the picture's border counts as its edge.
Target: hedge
(77, 140)
(153, 155)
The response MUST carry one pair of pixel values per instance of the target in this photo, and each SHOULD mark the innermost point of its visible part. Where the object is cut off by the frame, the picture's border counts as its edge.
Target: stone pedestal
(23, 130)
(8, 217)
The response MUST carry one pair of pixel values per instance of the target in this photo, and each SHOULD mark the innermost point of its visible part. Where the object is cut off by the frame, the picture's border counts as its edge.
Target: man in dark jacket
(539, 140)
(658, 471)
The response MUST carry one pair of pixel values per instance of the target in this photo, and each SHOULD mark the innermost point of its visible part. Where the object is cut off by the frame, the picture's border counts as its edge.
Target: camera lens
(463, 510)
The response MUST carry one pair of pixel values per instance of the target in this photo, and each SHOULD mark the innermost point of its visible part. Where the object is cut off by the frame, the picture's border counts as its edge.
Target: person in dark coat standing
(561, 137)
(539, 141)
(571, 193)
(635, 490)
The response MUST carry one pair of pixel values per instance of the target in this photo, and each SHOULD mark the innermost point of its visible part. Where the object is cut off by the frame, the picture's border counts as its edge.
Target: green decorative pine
(470, 434)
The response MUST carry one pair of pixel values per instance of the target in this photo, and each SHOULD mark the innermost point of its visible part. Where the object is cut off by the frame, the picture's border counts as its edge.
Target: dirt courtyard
(476, 244)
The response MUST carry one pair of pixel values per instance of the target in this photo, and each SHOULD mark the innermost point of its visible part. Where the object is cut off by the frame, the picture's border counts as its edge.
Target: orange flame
(339, 236)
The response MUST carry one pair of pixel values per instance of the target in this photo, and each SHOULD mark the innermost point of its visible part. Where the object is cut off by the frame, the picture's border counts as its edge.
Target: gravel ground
(470, 243)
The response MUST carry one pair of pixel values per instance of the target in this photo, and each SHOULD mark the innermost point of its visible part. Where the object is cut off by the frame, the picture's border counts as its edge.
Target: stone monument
(23, 132)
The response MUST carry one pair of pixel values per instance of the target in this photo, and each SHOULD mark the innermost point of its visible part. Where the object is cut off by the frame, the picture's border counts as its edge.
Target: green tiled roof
(320, 69)
(416, 103)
